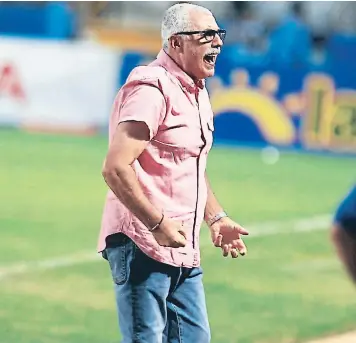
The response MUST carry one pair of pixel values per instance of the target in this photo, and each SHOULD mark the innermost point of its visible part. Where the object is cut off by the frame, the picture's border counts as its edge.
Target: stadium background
(284, 98)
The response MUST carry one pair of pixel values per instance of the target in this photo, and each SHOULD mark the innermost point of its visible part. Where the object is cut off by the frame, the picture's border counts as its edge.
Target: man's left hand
(226, 234)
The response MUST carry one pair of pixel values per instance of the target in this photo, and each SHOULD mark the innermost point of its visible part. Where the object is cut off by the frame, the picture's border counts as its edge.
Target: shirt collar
(187, 82)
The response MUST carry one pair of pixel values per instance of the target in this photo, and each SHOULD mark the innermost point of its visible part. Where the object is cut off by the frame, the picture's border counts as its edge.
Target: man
(343, 233)
(160, 132)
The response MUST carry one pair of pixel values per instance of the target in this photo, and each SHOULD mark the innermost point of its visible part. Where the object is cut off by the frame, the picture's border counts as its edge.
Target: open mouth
(210, 59)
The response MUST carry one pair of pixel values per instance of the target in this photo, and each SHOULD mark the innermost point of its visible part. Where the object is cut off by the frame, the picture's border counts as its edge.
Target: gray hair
(177, 19)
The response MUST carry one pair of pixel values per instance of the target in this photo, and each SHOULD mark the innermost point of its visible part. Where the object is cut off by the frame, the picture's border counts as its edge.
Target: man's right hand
(170, 234)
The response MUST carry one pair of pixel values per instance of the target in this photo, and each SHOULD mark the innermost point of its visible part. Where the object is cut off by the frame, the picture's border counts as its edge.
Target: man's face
(198, 52)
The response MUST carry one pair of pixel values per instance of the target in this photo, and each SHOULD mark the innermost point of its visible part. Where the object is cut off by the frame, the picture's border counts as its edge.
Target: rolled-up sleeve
(144, 103)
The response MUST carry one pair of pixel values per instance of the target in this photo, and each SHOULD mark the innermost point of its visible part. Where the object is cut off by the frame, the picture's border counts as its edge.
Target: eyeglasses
(209, 35)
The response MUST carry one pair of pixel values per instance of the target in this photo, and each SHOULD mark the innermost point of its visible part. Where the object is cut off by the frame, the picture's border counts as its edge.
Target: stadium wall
(56, 86)
(61, 86)
(304, 108)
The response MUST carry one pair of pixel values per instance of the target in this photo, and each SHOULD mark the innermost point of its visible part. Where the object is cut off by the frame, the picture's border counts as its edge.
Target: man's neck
(180, 66)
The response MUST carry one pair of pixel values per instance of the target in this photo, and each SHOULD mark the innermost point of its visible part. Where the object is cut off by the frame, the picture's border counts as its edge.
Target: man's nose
(217, 42)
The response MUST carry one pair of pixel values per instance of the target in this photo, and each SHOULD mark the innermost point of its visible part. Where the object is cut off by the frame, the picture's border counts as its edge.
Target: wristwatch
(217, 217)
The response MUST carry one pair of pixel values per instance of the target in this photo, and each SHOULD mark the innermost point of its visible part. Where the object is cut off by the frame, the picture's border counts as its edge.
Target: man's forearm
(125, 186)
(212, 206)
(345, 244)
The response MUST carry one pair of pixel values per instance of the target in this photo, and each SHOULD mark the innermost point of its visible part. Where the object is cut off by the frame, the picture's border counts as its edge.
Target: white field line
(315, 223)
(63, 261)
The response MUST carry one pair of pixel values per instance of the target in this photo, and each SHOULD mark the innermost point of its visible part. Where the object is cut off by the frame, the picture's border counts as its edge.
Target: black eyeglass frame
(209, 32)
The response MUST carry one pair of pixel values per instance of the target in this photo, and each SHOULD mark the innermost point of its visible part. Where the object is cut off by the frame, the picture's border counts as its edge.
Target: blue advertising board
(297, 108)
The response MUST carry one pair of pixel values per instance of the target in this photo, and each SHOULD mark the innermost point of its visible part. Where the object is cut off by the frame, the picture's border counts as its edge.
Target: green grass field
(289, 288)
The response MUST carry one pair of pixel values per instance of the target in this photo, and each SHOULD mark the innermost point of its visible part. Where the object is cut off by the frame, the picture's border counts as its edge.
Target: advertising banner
(55, 84)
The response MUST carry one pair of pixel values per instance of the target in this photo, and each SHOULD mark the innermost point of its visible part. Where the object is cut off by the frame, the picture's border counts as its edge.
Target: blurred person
(343, 232)
(160, 133)
(244, 28)
(294, 35)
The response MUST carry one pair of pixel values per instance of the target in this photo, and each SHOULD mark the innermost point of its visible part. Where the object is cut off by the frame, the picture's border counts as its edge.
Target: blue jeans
(156, 302)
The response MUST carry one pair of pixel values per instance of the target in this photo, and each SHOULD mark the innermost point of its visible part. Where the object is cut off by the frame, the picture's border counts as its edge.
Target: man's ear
(175, 42)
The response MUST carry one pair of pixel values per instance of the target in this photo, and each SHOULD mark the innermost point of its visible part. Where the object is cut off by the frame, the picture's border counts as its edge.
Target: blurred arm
(345, 245)
(343, 232)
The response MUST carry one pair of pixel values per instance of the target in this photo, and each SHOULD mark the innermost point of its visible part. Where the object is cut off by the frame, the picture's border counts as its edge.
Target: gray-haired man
(161, 132)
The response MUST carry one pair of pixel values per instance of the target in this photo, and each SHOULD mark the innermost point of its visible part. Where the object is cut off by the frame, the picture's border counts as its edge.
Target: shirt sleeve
(346, 213)
(144, 103)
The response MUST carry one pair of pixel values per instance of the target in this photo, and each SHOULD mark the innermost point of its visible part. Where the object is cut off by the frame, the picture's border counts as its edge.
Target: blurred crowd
(288, 33)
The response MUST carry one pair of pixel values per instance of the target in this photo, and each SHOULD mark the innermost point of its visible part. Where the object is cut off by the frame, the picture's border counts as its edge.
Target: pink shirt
(171, 170)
